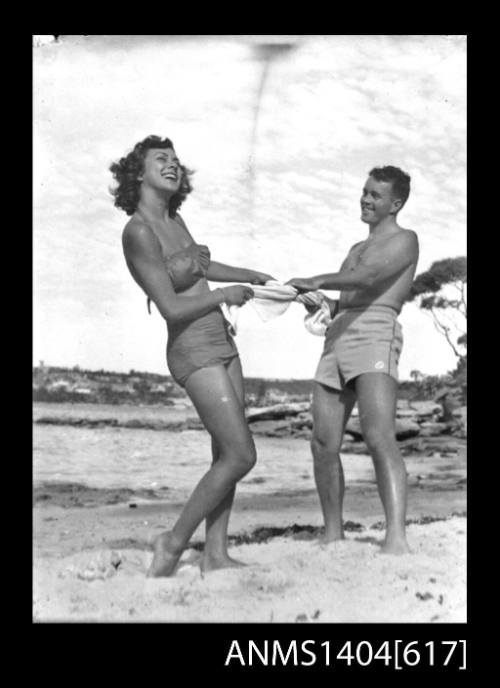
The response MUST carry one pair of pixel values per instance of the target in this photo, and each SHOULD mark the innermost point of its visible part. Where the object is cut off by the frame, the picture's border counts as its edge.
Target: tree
(416, 375)
(441, 291)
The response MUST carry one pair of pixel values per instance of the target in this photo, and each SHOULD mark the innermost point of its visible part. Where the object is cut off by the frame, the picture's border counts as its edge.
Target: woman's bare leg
(214, 397)
(215, 555)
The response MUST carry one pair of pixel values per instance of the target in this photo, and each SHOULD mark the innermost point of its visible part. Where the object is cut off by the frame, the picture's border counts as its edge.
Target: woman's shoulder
(178, 218)
(137, 234)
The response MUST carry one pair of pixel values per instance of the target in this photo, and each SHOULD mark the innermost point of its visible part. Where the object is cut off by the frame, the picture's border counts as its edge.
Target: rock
(430, 429)
(426, 409)
(301, 423)
(404, 429)
(277, 411)
(406, 413)
(353, 428)
(460, 415)
(272, 428)
(305, 418)
(303, 434)
(346, 446)
(194, 424)
(357, 448)
(413, 447)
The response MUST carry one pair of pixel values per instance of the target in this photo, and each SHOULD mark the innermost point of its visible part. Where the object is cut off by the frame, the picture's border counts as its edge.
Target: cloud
(334, 108)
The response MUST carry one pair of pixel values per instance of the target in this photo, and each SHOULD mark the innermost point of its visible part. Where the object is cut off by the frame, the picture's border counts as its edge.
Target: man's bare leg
(215, 555)
(331, 410)
(220, 410)
(376, 394)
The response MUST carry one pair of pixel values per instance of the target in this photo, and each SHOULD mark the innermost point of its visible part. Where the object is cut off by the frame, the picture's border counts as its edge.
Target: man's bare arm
(375, 266)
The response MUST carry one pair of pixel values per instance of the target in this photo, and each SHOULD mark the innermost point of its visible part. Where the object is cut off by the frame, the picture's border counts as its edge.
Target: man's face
(162, 169)
(377, 201)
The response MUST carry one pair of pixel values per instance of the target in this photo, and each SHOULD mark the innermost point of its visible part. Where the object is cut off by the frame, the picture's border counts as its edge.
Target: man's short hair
(400, 180)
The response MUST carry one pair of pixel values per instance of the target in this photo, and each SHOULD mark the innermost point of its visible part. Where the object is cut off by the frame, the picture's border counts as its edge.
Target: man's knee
(379, 440)
(324, 447)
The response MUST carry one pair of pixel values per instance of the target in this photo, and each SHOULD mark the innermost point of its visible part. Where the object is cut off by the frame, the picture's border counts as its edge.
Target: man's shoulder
(411, 239)
(404, 237)
(408, 232)
(357, 245)
(403, 242)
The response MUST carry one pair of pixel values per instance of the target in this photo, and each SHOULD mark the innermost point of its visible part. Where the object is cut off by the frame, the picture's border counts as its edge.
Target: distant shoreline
(75, 385)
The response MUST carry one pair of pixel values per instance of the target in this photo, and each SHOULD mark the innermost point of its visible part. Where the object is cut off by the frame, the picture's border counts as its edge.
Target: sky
(278, 192)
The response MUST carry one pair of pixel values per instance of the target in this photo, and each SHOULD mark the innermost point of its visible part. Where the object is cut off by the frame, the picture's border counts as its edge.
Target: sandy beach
(92, 548)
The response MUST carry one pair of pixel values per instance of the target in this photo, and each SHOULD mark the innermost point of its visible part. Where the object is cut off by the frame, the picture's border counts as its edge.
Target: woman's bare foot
(165, 558)
(211, 562)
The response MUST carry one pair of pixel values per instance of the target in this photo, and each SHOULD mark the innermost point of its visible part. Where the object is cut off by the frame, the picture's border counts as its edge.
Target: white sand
(288, 580)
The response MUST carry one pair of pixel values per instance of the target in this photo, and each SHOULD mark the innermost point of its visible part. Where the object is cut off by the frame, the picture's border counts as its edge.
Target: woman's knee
(242, 458)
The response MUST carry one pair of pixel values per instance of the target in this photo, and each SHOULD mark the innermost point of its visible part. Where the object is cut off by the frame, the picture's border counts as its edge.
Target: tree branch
(444, 331)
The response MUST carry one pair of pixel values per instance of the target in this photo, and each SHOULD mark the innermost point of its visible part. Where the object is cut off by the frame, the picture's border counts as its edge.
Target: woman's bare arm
(219, 272)
(143, 255)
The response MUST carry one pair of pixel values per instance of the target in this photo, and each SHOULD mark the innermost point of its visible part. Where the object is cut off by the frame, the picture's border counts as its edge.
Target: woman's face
(162, 170)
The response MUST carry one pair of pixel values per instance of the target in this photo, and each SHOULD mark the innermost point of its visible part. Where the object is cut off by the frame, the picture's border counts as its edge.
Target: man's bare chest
(354, 256)
(363, 251)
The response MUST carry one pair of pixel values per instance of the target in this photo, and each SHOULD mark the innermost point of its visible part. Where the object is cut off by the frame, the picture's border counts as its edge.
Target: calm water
(124, 457)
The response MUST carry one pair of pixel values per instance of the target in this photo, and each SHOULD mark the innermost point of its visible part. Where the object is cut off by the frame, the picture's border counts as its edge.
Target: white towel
(274, 298)
(317, 321)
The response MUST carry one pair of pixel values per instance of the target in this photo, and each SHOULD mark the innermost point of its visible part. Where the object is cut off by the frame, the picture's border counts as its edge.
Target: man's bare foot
(212, 562)
(165, 558)
(330, 536)
(395, 546)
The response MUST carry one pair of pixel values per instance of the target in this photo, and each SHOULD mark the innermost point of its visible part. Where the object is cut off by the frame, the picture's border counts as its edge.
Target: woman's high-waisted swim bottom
(198, 344)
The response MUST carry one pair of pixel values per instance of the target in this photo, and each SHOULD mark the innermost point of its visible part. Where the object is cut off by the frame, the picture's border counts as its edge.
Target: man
(361, 353)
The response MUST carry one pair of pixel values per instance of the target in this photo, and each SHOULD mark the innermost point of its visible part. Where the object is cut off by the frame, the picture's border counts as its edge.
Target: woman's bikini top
(184, 266)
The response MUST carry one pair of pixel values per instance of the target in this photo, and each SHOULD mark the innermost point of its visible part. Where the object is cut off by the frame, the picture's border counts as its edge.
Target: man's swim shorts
(360, 340)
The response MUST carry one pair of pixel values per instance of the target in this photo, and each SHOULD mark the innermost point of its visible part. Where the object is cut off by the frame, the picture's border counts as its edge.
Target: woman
(202, 357)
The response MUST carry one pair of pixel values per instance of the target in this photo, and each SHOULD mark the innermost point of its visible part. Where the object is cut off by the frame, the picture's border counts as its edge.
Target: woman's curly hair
(128, 169)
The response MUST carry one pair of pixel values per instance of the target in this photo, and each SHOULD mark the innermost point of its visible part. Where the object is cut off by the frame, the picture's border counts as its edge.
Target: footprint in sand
(266, 582)
(91, 566)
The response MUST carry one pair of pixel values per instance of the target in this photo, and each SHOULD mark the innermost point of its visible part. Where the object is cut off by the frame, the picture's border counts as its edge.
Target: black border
(192, 652)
